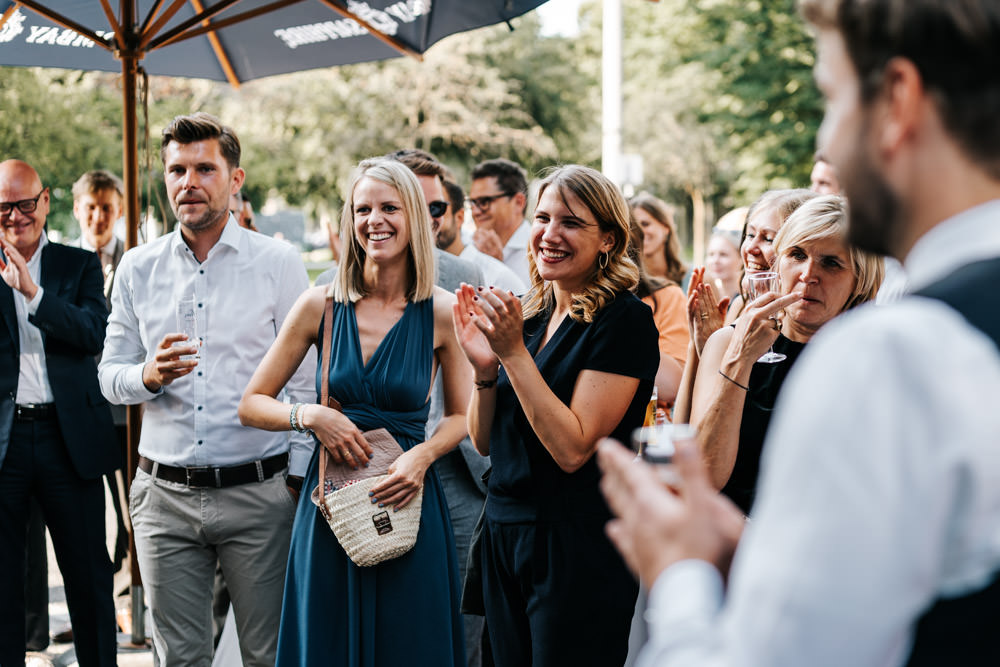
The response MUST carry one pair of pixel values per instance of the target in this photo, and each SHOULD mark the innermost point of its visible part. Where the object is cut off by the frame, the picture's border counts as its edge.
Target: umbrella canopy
(234, 40)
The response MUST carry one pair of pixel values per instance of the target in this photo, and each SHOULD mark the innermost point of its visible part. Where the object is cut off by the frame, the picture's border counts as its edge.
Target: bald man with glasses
(56, 432)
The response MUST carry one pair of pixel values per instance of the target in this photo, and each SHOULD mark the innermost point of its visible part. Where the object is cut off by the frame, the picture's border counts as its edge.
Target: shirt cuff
(137, 388)
(33, 304)
(685, 591)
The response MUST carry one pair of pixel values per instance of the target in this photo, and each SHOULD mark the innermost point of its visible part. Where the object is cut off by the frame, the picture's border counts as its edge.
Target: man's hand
(15, 271)
(167, 365)
(657, 527)
(488, 242)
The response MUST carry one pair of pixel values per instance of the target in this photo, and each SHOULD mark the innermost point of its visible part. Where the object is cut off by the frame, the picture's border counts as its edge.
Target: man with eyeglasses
(56, 432)
(499, 195)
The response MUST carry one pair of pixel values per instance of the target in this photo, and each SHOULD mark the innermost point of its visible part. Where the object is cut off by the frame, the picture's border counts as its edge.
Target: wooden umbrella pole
(129, 56)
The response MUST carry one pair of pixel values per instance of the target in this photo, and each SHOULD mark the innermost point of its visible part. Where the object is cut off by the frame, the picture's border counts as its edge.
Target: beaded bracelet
(293, 418)
(486, 384)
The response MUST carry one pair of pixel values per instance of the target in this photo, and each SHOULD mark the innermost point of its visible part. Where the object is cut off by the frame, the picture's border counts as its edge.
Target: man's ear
(521, 200)
(238, 177)
(901, 105)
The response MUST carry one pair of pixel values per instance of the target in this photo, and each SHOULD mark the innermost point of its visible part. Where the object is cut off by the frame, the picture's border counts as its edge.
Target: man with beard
(207, 488)
(874, 540)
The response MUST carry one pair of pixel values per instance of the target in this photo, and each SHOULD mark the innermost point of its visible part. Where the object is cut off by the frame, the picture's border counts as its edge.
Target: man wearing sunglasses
(498, 196)
(56, 433)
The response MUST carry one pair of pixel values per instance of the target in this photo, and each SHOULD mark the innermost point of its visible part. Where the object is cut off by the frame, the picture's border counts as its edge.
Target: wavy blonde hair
(349, 287)
(609, 208)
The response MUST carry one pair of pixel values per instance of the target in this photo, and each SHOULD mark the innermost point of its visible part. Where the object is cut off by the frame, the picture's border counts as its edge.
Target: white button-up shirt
(33, 375)
(243, 292)
(879, 488)
(515, 253)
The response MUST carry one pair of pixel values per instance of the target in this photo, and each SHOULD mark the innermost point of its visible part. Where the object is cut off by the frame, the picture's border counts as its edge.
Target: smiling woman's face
(757, 250)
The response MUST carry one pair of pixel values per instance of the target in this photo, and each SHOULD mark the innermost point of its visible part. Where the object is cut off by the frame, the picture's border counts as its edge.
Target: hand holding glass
(762, 283)
(656, 445)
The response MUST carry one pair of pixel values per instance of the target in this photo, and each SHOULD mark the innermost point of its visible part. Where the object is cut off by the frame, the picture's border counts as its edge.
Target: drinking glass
(760, 283)
(187, 323)
(656, 445)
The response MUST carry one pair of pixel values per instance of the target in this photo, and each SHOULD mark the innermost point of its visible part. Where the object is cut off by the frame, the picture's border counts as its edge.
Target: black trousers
(556, 593)
(37, 465)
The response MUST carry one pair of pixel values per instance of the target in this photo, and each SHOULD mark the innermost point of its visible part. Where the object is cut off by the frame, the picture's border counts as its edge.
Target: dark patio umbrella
(227, 40)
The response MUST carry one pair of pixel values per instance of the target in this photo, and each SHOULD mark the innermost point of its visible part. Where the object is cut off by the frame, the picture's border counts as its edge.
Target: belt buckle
(193, 470)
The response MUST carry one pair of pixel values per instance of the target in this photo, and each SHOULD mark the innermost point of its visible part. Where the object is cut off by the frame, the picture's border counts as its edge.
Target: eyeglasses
(437, 208)
(24, 206)
(484, 203)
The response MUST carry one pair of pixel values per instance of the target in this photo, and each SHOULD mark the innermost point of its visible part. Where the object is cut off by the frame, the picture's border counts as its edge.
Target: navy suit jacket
(72, 316)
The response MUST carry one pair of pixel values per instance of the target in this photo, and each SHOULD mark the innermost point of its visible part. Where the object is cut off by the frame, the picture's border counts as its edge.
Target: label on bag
(383, 524)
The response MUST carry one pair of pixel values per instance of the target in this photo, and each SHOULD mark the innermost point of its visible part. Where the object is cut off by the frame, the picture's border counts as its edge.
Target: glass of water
(656, 446)
(187, 323)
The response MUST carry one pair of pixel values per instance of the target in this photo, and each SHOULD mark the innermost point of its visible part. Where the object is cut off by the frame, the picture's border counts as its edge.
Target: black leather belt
(218, 478)
(34, 412)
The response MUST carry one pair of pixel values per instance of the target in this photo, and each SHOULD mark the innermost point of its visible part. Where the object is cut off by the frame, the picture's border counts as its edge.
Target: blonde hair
(350, 284)
(823, 217)
(609, 208)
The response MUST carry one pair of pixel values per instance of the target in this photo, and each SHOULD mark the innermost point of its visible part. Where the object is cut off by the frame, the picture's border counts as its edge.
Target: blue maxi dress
(403, 611)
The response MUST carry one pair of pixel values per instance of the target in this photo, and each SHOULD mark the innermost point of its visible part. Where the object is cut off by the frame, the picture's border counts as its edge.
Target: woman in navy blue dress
(570, 364)
(392, 331)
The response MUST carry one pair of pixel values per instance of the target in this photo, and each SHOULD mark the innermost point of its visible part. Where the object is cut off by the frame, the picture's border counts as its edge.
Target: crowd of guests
(500, 360)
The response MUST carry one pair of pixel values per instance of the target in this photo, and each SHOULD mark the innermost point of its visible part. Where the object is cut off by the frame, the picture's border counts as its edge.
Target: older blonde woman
(570, 364)
(392, 331)
(820, 277)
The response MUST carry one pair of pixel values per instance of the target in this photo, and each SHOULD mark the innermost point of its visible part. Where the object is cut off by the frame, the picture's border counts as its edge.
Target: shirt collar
(43, 241)
(108, 249)
(231, 237)
(520, 237)
(970, 236)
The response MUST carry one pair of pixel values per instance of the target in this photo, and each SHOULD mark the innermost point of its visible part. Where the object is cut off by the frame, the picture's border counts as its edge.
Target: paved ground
(62, 655)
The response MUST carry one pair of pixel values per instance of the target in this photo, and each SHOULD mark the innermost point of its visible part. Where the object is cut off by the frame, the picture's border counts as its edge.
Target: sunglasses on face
(484, 203)
(437, 208)
(24, 206)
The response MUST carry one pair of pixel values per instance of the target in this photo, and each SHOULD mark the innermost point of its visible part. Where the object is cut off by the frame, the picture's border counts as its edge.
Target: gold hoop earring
(602, 260)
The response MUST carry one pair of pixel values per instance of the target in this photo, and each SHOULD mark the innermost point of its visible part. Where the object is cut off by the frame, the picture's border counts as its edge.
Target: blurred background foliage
(718, 100)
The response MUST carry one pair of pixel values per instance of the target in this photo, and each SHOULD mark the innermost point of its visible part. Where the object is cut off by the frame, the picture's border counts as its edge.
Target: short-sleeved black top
(765, 382)
(526, 484)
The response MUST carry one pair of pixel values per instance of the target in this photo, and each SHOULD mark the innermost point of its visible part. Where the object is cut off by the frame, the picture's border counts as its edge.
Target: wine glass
(763, 282)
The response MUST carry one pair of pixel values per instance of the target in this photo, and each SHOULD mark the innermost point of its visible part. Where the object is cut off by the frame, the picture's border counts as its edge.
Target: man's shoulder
(452, 271)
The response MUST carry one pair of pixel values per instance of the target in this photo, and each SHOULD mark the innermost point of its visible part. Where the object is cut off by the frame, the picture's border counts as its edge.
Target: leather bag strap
(324, 391)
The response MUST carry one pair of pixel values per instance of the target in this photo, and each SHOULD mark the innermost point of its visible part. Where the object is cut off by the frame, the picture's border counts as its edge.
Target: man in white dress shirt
(207, 488)
(876, 535)
(499, 195)
(448, 237)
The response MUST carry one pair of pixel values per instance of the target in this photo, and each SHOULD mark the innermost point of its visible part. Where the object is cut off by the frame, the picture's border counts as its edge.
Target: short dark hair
(510, 176)
(456, 197)
(420, 162)
(201, 126)
(98, 180)
(955, 45)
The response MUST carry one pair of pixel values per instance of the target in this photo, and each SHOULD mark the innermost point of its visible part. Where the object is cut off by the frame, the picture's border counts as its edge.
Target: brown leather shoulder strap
(324, 384)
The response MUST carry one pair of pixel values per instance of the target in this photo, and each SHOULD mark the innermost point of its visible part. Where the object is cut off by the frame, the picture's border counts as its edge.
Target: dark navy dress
(765, 382)
(403, 611)
(556, 592)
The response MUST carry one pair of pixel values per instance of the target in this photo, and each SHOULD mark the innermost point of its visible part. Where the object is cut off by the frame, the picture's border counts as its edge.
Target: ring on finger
(704, 316)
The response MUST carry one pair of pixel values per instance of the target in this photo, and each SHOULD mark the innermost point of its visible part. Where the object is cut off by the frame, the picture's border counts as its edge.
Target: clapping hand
(488, 325)
(488, 242)
(706, 313)
(14, 270)
(758, 325)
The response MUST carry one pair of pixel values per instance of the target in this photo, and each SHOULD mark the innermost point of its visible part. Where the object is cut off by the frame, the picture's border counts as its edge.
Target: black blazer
(72, 317)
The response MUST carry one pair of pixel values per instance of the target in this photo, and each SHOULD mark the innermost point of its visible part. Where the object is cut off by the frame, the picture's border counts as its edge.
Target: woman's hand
(498, 316)
(474, 343)
(706, 313)
(406, 478)
(758, 326)
(342, 439)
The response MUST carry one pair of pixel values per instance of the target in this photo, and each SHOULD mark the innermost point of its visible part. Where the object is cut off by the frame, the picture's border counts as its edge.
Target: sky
(559, 17)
